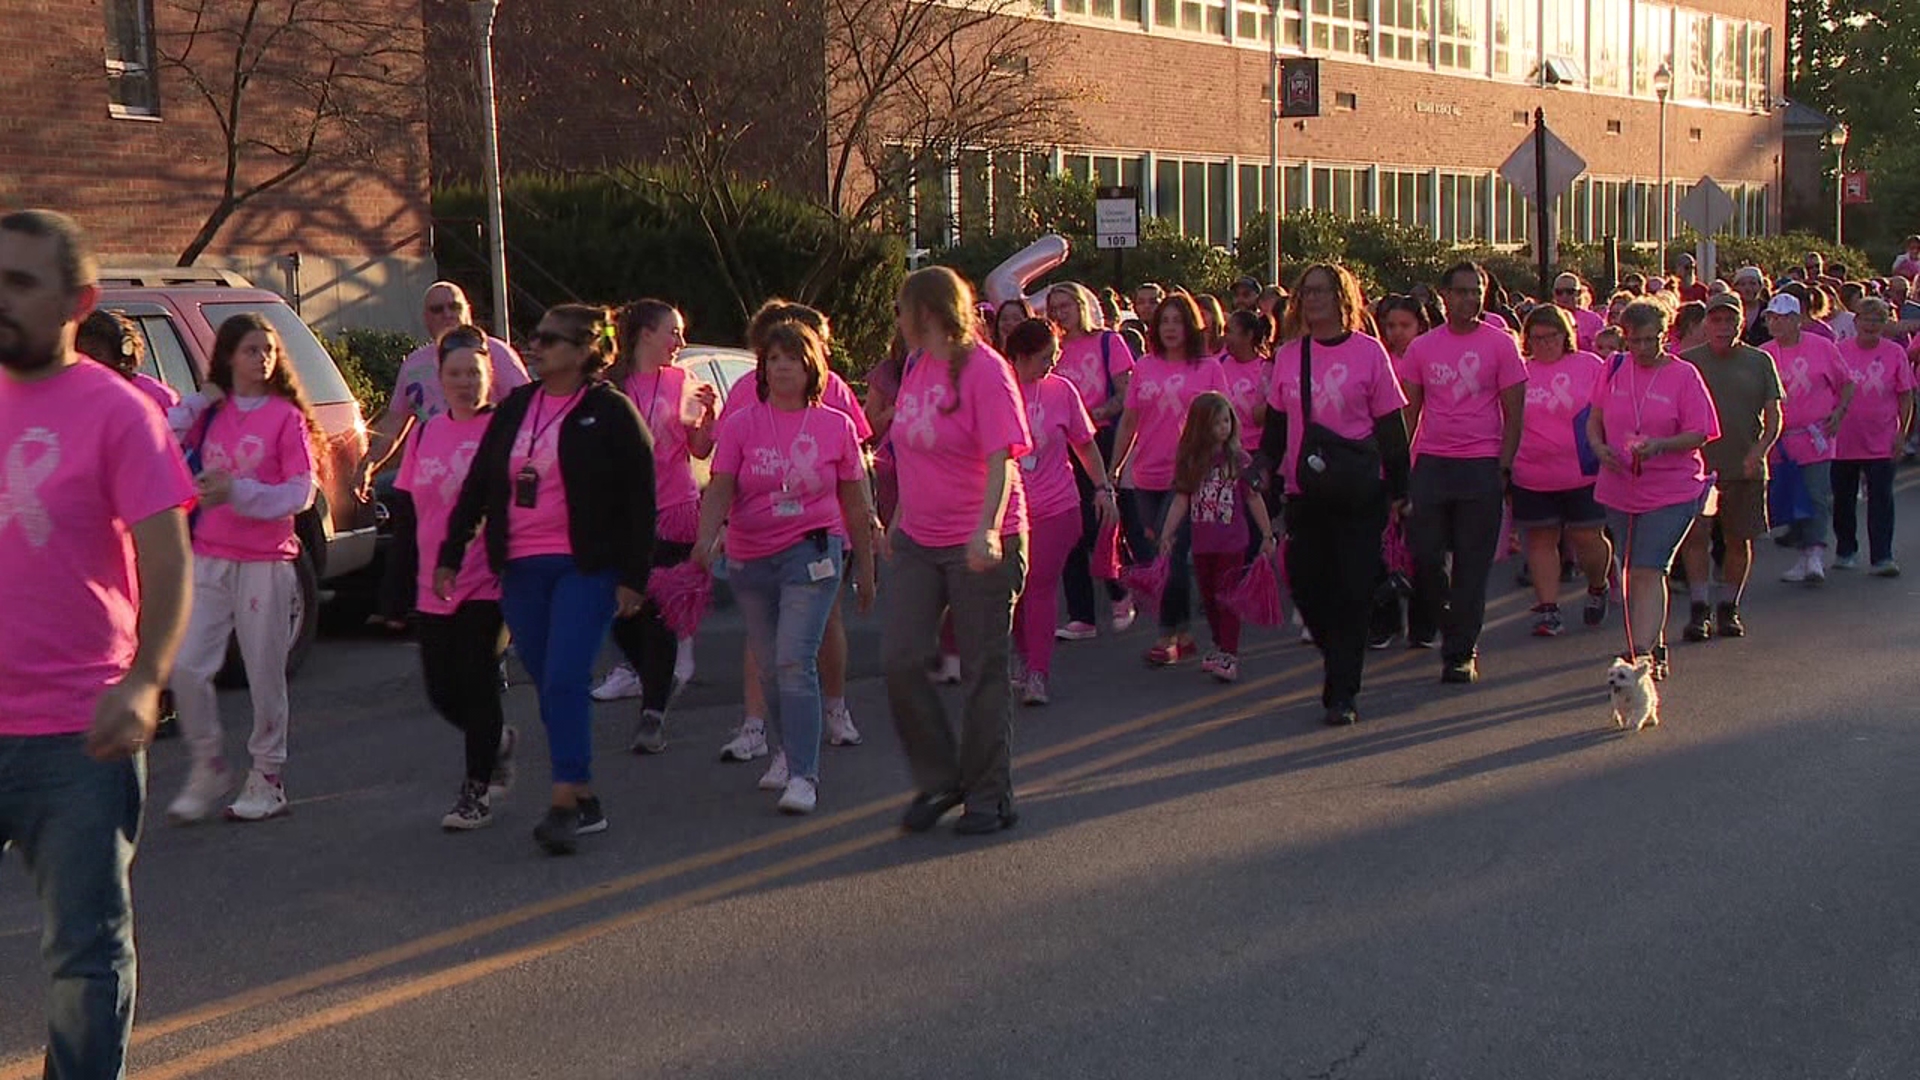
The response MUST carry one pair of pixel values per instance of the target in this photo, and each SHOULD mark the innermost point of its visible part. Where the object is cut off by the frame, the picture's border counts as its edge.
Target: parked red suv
(178, 311)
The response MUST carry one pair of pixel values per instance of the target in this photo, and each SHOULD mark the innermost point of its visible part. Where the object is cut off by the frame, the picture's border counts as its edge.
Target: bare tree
(290, 83)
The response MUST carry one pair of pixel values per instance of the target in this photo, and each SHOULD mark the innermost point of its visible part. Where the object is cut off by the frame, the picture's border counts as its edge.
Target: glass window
(318, 376)
(1106, 171)
(1341, 190)
(1256, 191)
(1759, 67)
(1730, 63)
(167, 359)
(1612, 45)
(1652, 44)
(1457, 45)
(1578, 224)
(1512, 214)
(1516, 38)
(1252, 22)
(1295, 177)
(1166, 190)
(1463, 207)
(1193, 198)
(1078, 166)
(1404, 30)
(1008, 187)
(133, 87)
(1401, 196)
(976, 195)
(1131, 175)
(1693, 55)
(1342, 26)
(933, 207)
(1219, 223)
(1166, 12)
(1566, 29)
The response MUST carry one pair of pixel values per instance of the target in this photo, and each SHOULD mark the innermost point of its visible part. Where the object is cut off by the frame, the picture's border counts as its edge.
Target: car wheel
(303, 626)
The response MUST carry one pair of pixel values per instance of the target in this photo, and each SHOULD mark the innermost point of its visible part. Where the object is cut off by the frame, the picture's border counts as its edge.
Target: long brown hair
(1196, 344)
(938, 293)
(1199, 451)
(1354, 318)
(283, 381)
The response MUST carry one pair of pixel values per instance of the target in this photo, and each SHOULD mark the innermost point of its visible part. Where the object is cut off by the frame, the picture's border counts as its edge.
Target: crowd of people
(1003, 458)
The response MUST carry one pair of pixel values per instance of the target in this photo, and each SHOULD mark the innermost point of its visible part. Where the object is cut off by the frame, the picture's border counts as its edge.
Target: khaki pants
(252, 601)
(922, 584)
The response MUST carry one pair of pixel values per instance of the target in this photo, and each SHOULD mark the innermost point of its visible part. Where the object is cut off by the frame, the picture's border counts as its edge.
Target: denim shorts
(1647, 541)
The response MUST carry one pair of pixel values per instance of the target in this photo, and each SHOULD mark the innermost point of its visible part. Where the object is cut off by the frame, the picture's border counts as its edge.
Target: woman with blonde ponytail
(958, 543)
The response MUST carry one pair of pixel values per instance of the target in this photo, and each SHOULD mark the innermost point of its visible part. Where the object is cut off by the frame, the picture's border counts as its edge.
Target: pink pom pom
(1147, 581)
(683, 593)
(1255, 597)
(1106, 553)
(1394, 550)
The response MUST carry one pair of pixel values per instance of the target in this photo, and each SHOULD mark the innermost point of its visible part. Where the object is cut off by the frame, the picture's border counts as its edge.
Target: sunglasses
(445, 309)
(545, 338)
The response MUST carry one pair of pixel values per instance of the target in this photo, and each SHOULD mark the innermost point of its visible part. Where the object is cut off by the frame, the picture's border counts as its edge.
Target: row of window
(1211, 199)
(1610, 46)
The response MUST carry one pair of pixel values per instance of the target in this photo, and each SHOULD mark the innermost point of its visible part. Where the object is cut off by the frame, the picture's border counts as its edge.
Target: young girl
(1062, 431)
(460, 639)
(1210, 487)
(257, 474)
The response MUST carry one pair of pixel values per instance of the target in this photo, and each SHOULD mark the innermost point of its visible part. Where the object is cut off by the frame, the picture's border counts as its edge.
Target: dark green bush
(370, 362)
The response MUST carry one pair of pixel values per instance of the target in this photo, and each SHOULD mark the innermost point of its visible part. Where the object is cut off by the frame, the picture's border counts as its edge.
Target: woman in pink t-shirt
(1248, 365)
(460, 640)
(257, 457)
(959, 542)
(1009, 314)
(1062, 433)
(1818, 392)
(1650, 416)
(111, 339)
(679, 413)
(1352, 407)
(1872, 436)
(1552, 495)
(790, 489)
(1213, 323)
(1100, 363)
(1176, 369)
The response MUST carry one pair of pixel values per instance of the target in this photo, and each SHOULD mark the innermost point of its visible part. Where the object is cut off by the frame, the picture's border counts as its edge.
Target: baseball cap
(1247, 283)
(1749, 273)
(1783, 304)
(1725, 300)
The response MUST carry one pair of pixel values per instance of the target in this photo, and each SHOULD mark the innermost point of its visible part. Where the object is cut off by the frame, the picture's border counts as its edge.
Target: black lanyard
(540, 401)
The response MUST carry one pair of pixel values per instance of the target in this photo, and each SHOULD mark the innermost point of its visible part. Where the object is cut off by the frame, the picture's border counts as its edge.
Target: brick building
(94, 121)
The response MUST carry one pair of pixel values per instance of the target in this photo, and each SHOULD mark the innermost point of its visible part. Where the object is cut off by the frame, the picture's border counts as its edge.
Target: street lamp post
(1273, 143)
(1839, 138)
(1662, 88)
(483, 12)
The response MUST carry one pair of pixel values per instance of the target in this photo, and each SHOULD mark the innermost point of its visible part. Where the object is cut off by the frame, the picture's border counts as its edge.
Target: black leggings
(1077, 578)
(645, 640)
(460, 658)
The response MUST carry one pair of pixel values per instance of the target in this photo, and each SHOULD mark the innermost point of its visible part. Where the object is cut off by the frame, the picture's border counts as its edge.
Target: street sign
(1708, 207)
(1853, 189)
(1300, 87)
(1564, 166)
(1116, 217)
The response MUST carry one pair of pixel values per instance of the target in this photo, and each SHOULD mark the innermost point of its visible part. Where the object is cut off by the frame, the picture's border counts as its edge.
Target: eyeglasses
(545, 338)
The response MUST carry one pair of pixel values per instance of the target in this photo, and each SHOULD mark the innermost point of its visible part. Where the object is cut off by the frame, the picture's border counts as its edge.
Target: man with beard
(94, 576)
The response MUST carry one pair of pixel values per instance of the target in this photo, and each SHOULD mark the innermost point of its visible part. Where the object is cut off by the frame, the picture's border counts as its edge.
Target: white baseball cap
(1783, 304)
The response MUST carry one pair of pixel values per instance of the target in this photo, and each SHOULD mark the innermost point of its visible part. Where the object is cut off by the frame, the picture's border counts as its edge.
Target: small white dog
(1636, 700)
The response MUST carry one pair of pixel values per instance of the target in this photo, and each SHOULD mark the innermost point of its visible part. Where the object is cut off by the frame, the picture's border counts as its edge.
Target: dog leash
(1626, 603)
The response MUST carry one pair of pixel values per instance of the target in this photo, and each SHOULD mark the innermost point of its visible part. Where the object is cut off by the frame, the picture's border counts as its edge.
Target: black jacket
(606, 467)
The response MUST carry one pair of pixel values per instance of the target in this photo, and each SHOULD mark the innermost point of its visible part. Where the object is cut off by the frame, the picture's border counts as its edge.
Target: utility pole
(483, 12)
(1273, 144)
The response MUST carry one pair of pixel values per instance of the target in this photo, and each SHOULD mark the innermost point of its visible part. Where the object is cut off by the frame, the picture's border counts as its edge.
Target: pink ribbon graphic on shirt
(1799, 377)
(1873, 380)
(247, 455)
(1170, 393)
(1037, 423)
(803, 461)
(1562, 389)
(1469, 370)
(21, 500)
(457, 470)
(1329, 390)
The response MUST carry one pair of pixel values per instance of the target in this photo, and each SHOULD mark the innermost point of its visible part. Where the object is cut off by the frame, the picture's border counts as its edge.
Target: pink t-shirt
(1549, 459)
(1353, 385)
(540, 529)
(269, 445)
(1587, 325)
(1653, 405)
(1217, 513)
(1811, 373)
(163, 395)
(1463, 375)
(942, 456)
(1818, 329)
(436, 466)
(1159, 395)
(416, 386)
(666, 405)
(787, 469)
(83, 458)
(1872, 424)
(1058, 421)
(1248, 385)
(835, 395)
(1079, 364)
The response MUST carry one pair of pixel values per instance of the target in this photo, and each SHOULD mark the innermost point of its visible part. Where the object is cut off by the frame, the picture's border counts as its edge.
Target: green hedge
(370, 361)
(621, 235)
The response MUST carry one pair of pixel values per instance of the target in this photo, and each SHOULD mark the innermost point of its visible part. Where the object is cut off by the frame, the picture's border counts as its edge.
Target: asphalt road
(1481, 882)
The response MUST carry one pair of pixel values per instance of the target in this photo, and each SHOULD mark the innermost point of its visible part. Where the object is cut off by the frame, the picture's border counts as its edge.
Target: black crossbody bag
(1333, 469)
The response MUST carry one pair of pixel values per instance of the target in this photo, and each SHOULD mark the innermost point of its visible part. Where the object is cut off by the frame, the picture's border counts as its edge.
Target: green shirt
(1742, 384)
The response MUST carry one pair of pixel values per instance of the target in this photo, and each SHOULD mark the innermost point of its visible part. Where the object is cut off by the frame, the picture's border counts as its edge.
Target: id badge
(787, 508)
(526, 488)
(1819, 435)
(1029, 463)
(822, 569)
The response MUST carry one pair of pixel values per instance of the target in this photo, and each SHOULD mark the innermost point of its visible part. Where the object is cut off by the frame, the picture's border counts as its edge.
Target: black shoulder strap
(1306, 380)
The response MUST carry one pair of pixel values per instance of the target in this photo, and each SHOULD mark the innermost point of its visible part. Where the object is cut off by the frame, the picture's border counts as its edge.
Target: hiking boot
(1729, 619)
(1699, 622)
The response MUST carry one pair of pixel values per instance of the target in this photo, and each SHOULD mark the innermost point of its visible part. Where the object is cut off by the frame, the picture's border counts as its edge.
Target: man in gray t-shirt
(1746, 394)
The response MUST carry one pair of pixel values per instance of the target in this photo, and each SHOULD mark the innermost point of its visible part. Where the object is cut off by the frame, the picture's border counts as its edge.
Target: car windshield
(318, 375)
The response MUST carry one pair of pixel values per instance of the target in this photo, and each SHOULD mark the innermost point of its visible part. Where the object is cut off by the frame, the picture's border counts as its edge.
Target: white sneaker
(840, 729)
(1123, 615)
(683, 663)
(1885, 568)
(206, 786)
(749, 741)
(949, 672)
(1076, 631)
(1035, 692)
(1796, 573)
(263, 797)
(621, 682)
(1816, 566)
(1846, 562)
(800, 796)
(776, 776)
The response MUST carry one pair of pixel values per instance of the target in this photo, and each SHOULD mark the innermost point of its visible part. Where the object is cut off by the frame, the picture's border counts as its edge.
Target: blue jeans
(75, 822)
(785, 609)
(1813, 532)
(559, 617)
(1846, 499)
(1176, 603)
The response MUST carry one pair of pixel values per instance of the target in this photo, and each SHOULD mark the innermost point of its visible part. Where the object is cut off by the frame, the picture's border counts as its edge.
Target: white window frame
(138, 13)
